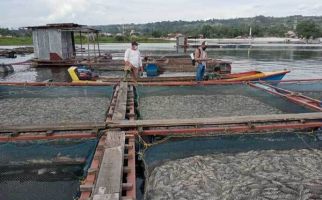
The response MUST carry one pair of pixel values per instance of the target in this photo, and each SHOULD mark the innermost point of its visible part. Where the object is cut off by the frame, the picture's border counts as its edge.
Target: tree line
(304, 26)
(15, 32)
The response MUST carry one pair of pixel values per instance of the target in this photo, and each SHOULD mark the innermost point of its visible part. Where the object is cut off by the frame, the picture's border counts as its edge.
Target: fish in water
(201, 106)
(266, 174)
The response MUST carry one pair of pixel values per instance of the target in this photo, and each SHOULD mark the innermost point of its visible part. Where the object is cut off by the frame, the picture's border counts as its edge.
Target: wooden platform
(216, 120)
(52, 127)
(109, 181)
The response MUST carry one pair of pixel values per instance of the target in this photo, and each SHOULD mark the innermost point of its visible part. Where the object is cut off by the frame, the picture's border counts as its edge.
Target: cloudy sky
(18, 13)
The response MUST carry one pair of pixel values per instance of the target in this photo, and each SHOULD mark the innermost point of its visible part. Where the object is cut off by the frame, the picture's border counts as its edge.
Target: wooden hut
(54, 44)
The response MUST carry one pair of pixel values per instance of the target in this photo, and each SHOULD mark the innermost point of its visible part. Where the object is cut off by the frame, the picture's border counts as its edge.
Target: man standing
(201, 59)
(133, 61)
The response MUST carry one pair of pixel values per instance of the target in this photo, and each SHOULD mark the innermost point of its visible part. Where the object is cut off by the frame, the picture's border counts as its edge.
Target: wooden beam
(53, 127)
(215, 121)
(120, 107)
(110, 175)
(115, 196)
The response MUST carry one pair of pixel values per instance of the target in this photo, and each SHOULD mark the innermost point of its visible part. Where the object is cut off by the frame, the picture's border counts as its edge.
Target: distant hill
(261, 27)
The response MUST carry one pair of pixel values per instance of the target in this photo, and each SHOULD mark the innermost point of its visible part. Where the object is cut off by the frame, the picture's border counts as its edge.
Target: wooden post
(98, 45)
(94, 41)
(88, 47)
(120, 107)
(81, 41)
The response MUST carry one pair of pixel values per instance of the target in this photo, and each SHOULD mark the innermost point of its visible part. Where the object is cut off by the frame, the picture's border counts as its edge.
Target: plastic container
(152, 70)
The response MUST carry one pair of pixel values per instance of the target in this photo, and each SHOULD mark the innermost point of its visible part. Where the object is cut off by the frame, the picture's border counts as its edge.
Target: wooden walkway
(109, 182)
(216, 120)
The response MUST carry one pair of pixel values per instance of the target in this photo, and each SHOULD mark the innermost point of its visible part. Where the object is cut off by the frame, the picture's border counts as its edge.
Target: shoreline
(5, 41)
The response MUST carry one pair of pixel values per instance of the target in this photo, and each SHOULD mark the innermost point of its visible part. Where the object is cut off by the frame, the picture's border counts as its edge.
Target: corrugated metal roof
(66, 27)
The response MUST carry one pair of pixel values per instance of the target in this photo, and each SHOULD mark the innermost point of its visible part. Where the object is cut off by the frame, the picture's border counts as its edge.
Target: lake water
(303, 63)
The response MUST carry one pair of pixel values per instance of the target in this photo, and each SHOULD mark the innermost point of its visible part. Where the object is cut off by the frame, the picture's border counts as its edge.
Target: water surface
(303, 63)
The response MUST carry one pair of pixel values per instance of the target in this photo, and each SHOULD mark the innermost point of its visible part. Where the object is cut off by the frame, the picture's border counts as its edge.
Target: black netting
(49, 169)
(210, 101)
(311, 89)
(280, 165)
(52, 105)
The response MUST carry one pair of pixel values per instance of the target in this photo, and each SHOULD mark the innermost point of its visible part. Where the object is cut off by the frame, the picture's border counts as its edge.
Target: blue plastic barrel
(152, 70)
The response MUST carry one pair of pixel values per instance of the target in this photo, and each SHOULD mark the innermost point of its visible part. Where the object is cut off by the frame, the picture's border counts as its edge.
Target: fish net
(51, 105)
(210, 101)
(311, 89)
(274, 165)
(277, 165)
(48, 169)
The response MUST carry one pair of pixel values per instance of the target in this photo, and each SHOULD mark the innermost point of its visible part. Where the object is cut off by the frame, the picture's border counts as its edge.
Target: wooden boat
(257, 75)
(244, 76)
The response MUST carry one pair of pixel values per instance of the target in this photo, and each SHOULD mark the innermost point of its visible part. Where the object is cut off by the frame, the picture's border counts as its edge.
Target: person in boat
(201, 59)
(133, 61)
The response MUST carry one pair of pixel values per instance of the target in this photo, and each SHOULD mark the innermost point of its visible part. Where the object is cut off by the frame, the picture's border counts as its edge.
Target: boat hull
(244, 76)
(264, 76)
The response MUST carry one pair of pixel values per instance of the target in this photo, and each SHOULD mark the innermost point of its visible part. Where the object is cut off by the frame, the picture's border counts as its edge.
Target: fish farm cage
(242, 140)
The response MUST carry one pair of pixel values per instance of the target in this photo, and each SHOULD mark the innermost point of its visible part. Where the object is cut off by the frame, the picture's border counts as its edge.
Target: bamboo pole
(98, 45)
(81, 41)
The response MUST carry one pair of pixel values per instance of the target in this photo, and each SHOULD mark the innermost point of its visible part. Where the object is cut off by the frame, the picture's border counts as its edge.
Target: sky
(20, 13)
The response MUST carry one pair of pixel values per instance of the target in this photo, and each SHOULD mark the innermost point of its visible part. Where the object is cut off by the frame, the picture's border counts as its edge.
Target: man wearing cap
(201, 59)
(133, 61)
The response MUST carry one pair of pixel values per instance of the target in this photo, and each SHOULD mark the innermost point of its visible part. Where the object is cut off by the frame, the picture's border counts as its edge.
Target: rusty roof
(66, 27)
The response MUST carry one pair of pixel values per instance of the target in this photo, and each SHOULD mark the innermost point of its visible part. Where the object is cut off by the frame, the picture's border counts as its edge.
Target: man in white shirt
(133, 61)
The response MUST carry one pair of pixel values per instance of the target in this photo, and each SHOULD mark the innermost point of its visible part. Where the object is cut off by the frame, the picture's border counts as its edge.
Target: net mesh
(52, 105)
(230, 167)
(311, 89)
(275, 165)
(48, 169)
(210, 101)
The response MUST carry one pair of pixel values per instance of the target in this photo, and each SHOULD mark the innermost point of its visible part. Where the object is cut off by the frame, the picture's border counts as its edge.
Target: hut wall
(67, 44)
(48, 41)
(55, 42)
(41, 44)
(35, 42)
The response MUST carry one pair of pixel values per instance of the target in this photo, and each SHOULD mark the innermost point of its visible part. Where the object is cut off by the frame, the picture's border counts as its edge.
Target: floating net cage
(276, 165)
(48, 168)
(311, 89)
(210, 101)
(33, 105)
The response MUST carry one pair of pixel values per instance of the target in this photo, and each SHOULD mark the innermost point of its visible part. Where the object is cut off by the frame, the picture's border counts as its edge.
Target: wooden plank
(115, 196)
(149, 79)
(215, 121)
(53, 127)
(120, 107)
(109, 178)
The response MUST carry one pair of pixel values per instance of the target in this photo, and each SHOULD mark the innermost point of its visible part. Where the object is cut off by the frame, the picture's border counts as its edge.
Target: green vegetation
(308, 29)
(305, 27)
(15, 41)
(122, 39)
(227, 28)
(6, 41)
